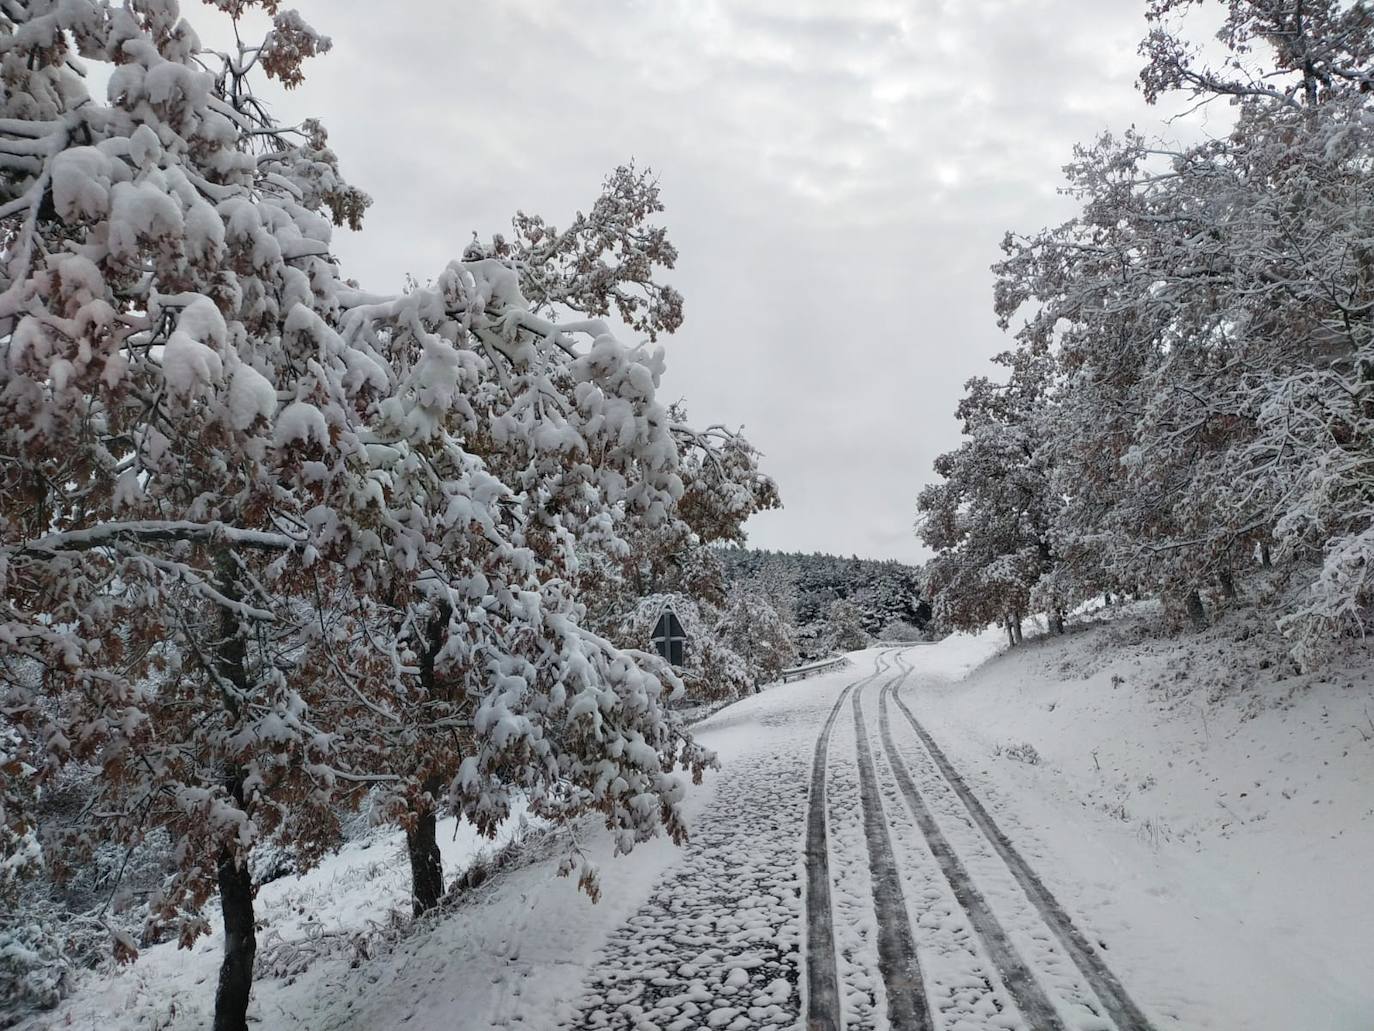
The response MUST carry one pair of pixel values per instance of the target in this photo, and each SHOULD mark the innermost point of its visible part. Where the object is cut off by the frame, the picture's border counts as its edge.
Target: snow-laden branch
(151, 530)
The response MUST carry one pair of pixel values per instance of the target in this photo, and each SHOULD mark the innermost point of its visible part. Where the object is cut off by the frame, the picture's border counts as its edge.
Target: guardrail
(801, 672)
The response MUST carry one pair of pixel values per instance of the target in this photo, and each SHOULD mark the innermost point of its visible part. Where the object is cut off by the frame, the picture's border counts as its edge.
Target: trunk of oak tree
(1265, 559)
(1228, 585)
(1011, 637)
(1057, 621)
(235, 881)
(426, 866)
(1016, 629)
(1197, 614)
(240, 944)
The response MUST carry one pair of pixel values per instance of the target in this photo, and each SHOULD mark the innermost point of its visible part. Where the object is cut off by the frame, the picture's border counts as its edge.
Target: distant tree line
(835, 602)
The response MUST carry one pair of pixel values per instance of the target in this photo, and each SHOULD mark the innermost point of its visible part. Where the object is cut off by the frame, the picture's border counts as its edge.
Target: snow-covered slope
(1195, 801)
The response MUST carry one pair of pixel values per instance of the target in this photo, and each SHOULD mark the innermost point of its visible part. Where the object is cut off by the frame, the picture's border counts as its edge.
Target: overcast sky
(837, 175)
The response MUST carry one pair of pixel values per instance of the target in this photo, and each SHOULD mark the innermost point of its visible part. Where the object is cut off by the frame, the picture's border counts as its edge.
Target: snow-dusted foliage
(754, 626)
(1207, 316)
(989, 522)
(269, 541)
(711, 670)
(604, 260)
(610, 259)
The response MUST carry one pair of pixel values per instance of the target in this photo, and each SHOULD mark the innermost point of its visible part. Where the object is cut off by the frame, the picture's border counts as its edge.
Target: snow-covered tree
(844, 630)
(612, 259)
(989, 521)
(752, 625)
(170, 404)
(1209, 314)
(267, 540)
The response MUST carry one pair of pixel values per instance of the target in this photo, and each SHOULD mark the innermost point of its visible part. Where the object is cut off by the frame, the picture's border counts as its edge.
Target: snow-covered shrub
(35, 972)
(43, 948)
(59, 917)
(280, 957)
(711, 670)
(752, 627)
(1024, 752)
(844, 631)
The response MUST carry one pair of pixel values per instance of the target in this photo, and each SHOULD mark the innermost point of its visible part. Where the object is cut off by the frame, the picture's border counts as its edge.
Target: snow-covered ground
(1203, 815)
(313, 931)
(1199, 804)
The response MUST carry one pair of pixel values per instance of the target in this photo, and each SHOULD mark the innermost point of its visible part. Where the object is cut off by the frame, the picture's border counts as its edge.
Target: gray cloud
(837, 180)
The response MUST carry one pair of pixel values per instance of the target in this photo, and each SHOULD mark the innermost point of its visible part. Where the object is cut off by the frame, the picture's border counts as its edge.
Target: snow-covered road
(872, 855)
(844, 875)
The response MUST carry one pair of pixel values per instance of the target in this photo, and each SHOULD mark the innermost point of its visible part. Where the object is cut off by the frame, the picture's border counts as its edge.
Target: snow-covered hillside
(1201, 803)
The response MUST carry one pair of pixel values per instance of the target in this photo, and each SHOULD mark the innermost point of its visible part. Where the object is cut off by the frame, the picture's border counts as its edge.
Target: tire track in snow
(863, 996)
(823, 1004)
(1072, 996)
(963, 988)
(907, 1009)
(1075, 1001)
(1022, 986)
(1109, 990)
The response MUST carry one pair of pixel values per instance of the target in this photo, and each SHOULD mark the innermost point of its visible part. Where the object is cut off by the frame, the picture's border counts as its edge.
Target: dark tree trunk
(1265, 559)
(235, 882)
(1016, 629)
(426, 867)
(240, 944)
(1107, 599)
(1057, 621)
(1196, 612)
(1228, 585)
(1011, 637)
